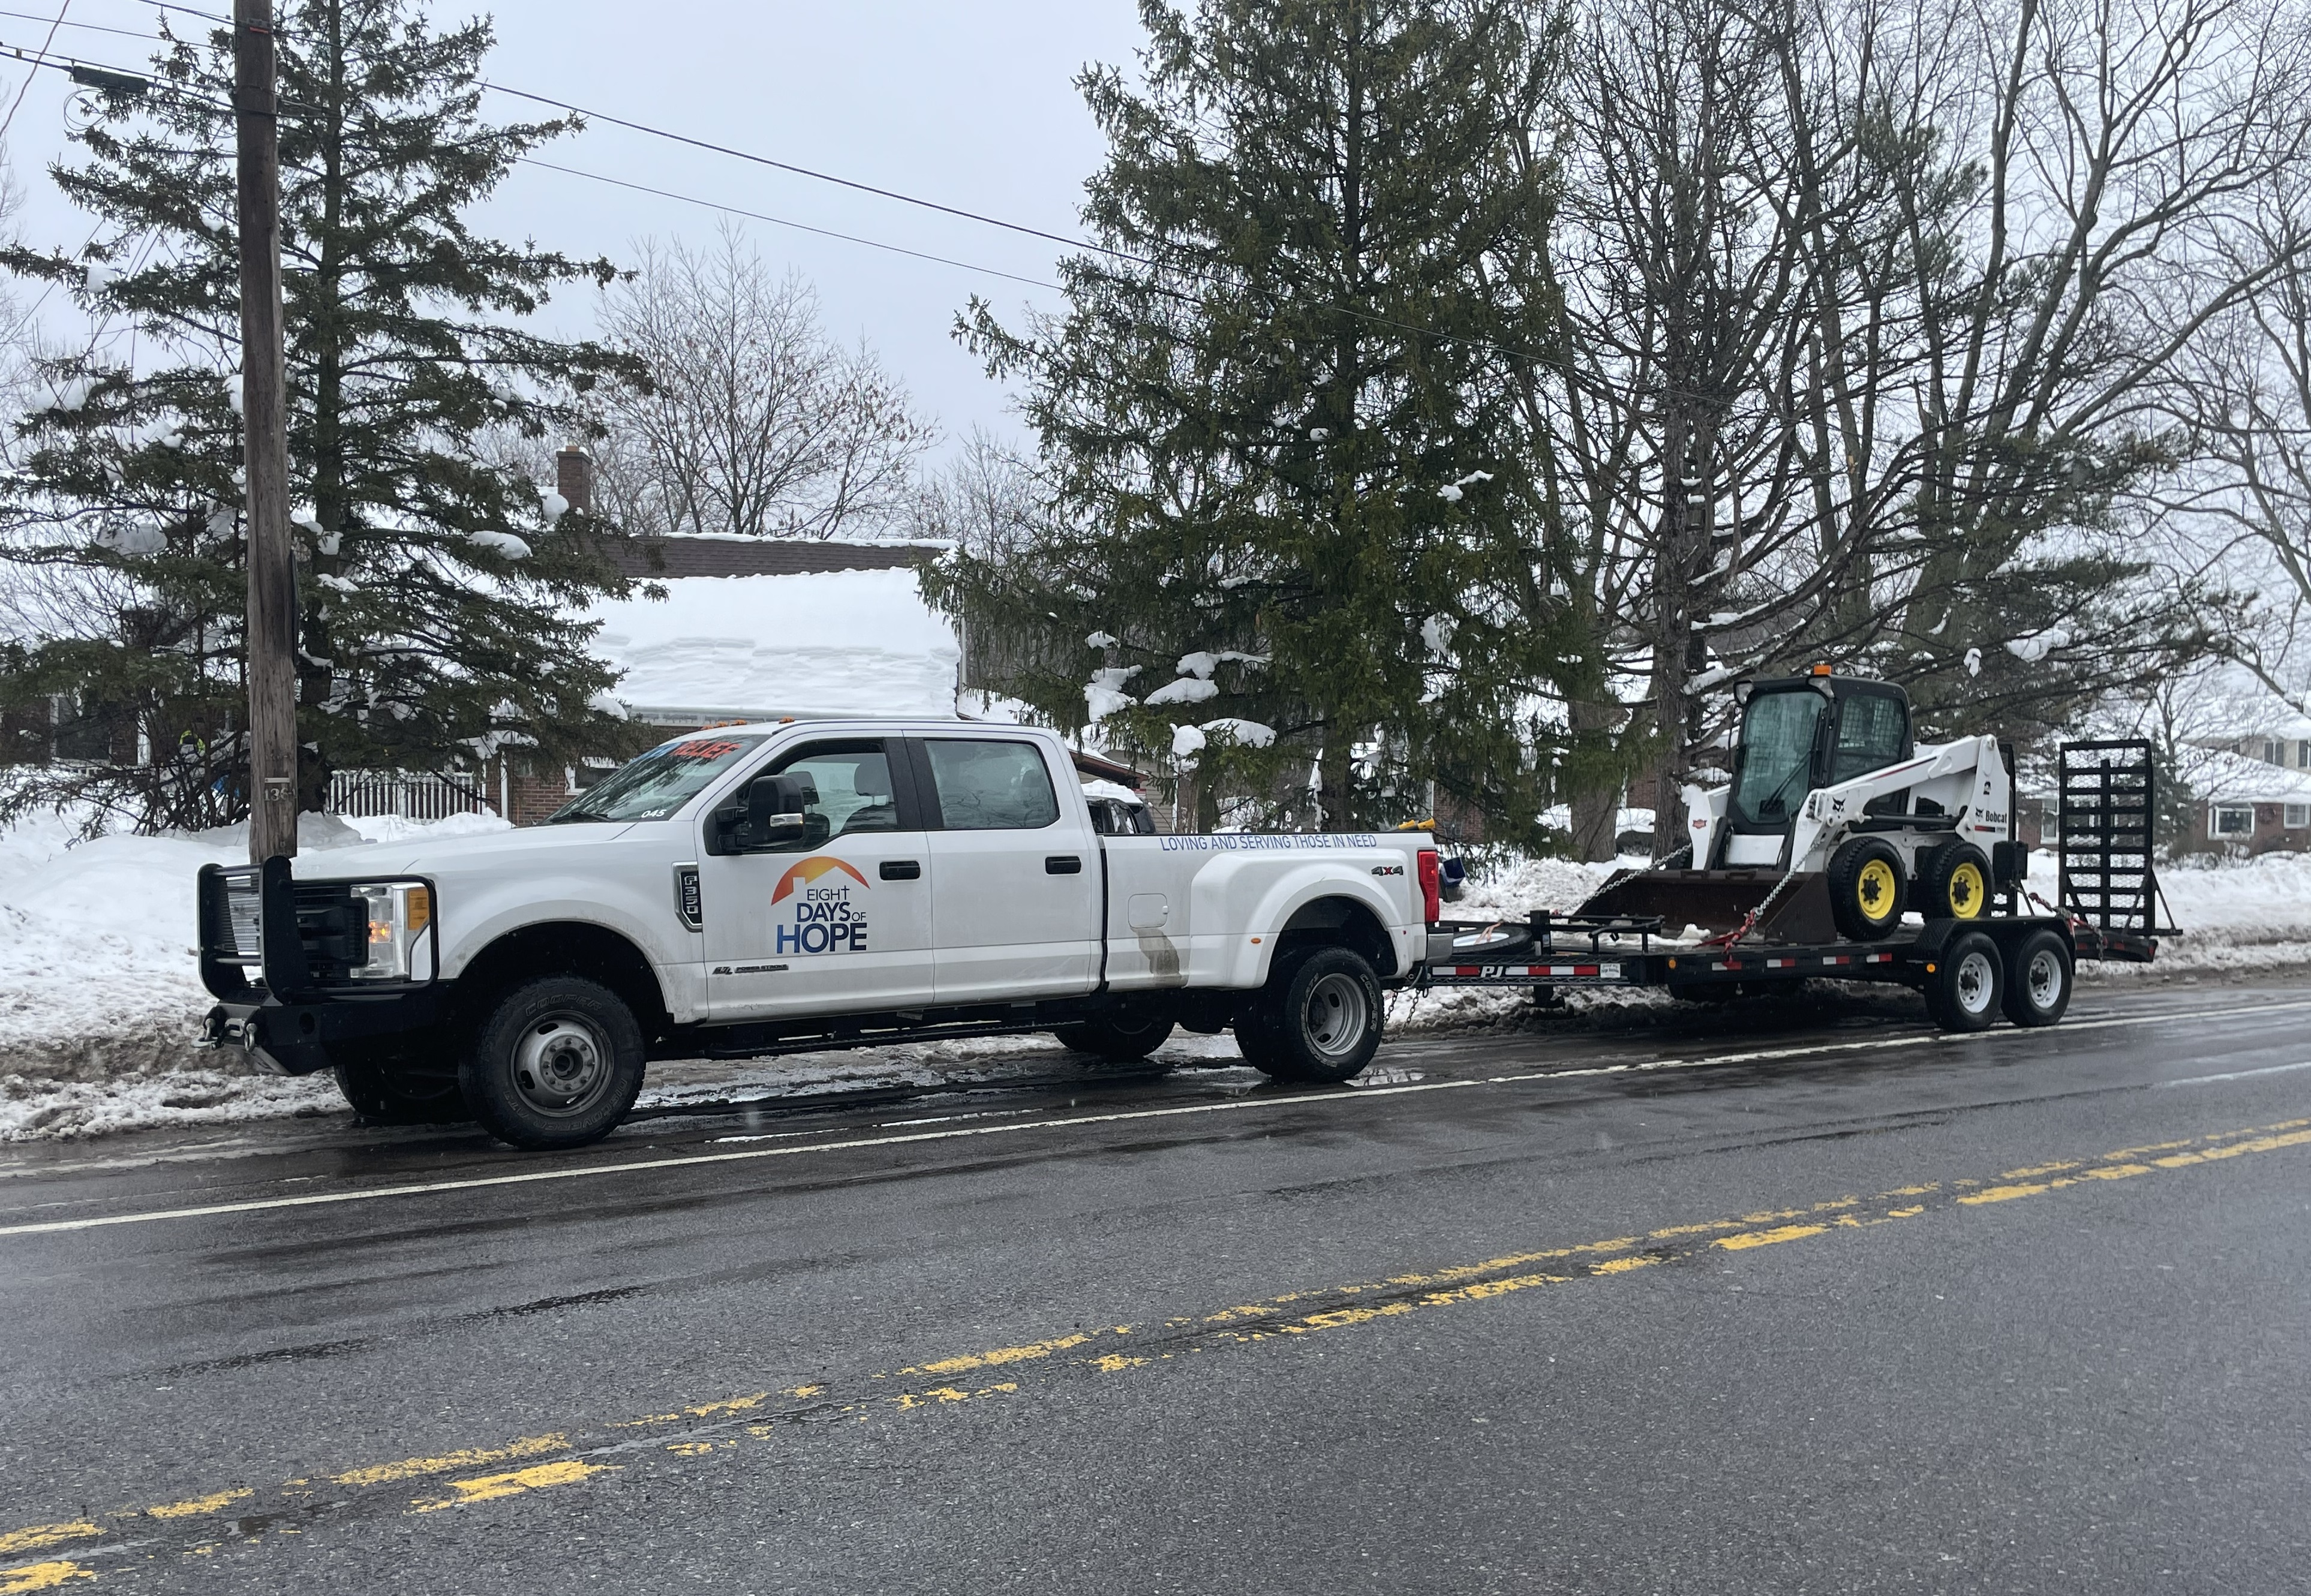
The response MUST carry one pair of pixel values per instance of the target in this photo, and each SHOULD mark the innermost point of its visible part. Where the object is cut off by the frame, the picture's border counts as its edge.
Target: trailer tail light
(1431, 886)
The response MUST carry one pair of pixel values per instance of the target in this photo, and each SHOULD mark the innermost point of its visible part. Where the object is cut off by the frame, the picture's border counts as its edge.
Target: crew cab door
(838, 921)
(1015, 896)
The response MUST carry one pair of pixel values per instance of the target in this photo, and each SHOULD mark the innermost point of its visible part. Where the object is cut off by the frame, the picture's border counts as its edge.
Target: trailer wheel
(1865, 888)
(556, 1064)
(1964, 982)
(2038, 980)
(386, 1091)
(1318, 1018)
(1953, 883)
(1119, 1038)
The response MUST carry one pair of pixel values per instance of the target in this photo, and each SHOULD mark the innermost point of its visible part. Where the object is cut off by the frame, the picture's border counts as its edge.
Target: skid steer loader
(1835, 822)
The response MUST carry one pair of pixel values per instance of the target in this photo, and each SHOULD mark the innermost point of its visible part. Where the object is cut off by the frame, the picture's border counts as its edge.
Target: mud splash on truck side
(1162, 956)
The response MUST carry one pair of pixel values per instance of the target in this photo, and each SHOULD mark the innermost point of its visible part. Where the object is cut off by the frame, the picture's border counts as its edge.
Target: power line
(26, 87)
(191, 12)
(83, 26)
(1370, 318)
(805, 171)
(95, 75)
(800, 226)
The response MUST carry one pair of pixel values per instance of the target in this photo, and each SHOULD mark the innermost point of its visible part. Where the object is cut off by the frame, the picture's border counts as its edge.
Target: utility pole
(270, 634)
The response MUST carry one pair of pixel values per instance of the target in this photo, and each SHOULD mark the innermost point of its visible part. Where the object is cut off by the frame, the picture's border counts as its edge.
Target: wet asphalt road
(1767, 1301)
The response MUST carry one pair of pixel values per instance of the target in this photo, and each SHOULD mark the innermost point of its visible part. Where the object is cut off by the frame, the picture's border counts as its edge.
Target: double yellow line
(546, 1461)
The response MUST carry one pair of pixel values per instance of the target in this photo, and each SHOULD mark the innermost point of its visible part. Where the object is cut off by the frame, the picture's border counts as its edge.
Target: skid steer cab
(1836, 821)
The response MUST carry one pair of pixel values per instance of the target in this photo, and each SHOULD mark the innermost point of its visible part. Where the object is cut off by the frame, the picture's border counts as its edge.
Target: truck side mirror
(775, 806)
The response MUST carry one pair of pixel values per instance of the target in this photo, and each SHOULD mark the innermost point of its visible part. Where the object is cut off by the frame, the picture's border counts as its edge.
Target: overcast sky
(973, 106)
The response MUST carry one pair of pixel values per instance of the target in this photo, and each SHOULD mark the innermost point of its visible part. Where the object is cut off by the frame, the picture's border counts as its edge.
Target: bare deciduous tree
(754, 421)
(1875, 314)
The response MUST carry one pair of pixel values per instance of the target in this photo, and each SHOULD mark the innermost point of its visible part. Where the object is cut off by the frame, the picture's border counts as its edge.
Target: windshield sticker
(1247, 843)
(826, 917)
(705, 749)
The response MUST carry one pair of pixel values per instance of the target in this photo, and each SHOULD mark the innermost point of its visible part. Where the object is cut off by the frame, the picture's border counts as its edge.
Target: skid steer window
(1777, 738)
(1872, 727)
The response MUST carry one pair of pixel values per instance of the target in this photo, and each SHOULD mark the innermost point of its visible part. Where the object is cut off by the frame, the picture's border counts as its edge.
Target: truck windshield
(1777, 738)
(659, 782)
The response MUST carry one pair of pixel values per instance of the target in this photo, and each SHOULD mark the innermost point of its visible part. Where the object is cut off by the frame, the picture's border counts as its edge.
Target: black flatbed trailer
(1567, 950)
(2108, 893)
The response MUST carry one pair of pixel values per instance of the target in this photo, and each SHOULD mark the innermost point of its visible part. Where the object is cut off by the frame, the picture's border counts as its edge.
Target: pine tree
(438, 590)
(1281, 457)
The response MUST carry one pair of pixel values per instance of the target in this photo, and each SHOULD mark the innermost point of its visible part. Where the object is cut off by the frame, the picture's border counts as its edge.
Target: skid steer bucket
(1720, 900)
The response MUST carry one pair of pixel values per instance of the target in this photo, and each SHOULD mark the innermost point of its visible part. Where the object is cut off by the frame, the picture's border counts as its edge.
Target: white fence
(414, 795)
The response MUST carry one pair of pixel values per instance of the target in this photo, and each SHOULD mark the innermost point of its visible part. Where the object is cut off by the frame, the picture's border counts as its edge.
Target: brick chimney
(574, 477)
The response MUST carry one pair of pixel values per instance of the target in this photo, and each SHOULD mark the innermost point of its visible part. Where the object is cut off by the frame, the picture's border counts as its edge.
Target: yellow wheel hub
(1968, 893)
(1874, 889)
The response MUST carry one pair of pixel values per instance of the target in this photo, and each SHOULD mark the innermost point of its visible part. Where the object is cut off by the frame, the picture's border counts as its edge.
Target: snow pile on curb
(101, 995)
(2236, 916)
(1509, 892)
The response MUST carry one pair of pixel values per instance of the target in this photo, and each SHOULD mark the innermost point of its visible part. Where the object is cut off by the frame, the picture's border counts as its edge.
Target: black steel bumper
(294, 1038)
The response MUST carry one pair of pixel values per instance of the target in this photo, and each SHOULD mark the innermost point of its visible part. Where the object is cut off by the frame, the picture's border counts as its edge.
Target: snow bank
(756, 648)
(101, 980)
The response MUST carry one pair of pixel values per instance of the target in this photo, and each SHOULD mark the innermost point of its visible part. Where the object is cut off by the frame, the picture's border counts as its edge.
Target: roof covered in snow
(2230, 703)
(2216, 776)
(758, 647)
(657, 559)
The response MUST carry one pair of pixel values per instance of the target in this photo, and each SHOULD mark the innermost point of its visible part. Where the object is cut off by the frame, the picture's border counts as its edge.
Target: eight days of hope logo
(825, 919)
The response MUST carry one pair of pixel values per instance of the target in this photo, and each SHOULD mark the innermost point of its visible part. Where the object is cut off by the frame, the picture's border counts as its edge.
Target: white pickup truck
(760, 889)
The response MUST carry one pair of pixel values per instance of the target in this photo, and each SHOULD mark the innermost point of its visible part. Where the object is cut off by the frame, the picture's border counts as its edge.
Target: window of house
(2272, 751)
(82, 730)
(2303, 755)
(2233, 820)
(2297, 815)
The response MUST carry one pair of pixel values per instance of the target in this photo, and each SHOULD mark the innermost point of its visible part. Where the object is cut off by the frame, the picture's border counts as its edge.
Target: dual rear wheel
(1972, 981)
(1318, 1019)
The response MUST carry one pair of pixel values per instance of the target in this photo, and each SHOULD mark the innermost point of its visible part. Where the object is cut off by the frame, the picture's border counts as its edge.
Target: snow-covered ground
(101, 1000)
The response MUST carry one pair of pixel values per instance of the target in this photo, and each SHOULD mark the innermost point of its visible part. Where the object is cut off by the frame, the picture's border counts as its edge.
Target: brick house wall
(2270, 833)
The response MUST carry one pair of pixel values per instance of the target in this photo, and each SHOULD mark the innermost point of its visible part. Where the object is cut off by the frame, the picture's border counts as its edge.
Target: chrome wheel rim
(1977, 983)
(2044, 979)
(1337, 1016)
(561, 1066)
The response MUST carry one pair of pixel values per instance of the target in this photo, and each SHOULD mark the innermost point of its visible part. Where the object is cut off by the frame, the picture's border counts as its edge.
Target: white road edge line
(2235, 1075)
(1354, 1094)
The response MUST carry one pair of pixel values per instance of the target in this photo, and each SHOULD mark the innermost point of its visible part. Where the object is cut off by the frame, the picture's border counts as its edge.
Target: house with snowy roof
(756, 629)
(749, 629)
(2245, 752)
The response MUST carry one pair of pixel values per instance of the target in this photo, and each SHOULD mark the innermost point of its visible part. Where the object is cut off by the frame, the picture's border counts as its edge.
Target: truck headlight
(400, 931)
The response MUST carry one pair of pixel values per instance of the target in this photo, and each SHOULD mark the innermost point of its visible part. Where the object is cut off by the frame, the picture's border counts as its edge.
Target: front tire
(1865, 888)
(1318, 1018)
(2038, 980)
(1965, 983)
(557, 1063)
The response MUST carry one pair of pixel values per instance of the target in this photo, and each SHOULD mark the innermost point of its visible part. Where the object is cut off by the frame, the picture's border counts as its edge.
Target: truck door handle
(903, 870)
(1062, 864)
